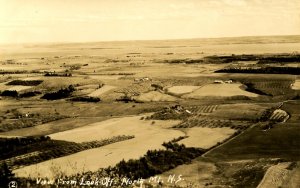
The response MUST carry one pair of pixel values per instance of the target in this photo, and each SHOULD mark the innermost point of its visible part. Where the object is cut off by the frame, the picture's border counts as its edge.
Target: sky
(37, 21)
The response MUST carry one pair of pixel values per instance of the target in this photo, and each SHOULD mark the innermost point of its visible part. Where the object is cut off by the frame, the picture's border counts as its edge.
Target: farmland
(144, 108)
(219, 90)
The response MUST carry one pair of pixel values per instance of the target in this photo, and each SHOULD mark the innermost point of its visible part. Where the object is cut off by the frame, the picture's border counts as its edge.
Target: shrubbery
(46, 148)
(9, 93)
(12, 146)
(172, 112)
(263, 70)
(29, 94)
(25, 82)
(86, 99)
(58, 74)
(157, 161)
(60, 94)
(6, 175)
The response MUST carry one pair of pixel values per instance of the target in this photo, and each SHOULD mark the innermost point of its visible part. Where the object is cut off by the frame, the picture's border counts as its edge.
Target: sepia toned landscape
(150, 94)
(218, 112)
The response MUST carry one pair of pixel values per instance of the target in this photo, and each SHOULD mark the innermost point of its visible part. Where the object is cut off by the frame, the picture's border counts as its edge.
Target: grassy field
(279, 142)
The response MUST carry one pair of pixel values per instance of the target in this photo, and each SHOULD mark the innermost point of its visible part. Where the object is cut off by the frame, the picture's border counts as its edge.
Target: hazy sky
(24, 21)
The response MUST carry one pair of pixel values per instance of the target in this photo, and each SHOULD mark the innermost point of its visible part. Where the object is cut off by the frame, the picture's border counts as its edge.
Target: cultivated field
(178, 90)
(155, 96)
(219, 90)
(101, 91)
(203, 137)
(220, 112)
(148, 136)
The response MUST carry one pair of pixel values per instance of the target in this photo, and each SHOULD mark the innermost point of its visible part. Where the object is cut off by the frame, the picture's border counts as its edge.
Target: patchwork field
(148, 136)
(199, 108)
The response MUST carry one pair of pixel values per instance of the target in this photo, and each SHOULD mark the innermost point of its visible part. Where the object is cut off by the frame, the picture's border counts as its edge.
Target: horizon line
(137, 40)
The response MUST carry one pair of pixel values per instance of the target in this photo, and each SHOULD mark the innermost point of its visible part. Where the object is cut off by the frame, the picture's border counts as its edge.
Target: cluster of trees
(14, 72)
(58, 74)
(47, 148)
(25, 82)
(229, 59)
(19, 72)
(6, 175)
(280, 59)
(297, 97)
(75, 67)
(60, 94)
(235, 58)
(266, 114)
(23, 121)
(9, 93)
(157, 161)
(15, 94)
(263, 70)
(100, 143)
(184, 61)
(173, 112)
(29, 94)
(86, 99)
(14, 146)
(126, 99)
(262, 59)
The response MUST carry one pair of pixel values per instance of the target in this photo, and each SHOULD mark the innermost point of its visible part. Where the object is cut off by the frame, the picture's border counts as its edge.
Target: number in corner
(12, 184)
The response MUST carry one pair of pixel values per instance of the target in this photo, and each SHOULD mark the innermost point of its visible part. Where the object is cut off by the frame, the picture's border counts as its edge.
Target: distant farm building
(222, 82)
(141, 79)
(218, 82)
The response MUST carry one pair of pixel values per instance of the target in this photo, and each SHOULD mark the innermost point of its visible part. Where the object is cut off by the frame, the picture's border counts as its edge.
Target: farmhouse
(141, 79)
(218, 82)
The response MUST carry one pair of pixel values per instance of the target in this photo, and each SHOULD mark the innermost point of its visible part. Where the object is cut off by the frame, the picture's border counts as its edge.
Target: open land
(218, 112)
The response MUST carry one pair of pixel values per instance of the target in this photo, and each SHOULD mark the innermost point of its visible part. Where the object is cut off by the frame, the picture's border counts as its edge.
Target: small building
(218, 82)
(141, 79)
(228, 81)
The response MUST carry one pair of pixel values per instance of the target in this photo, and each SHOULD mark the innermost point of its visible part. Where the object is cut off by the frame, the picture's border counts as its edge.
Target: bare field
(101, 91)
(19, 88)
(112, 127)
(155, 96)
(219, 90)
(275, 176)
(178, 90)
(296, 85)
(204, 137)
